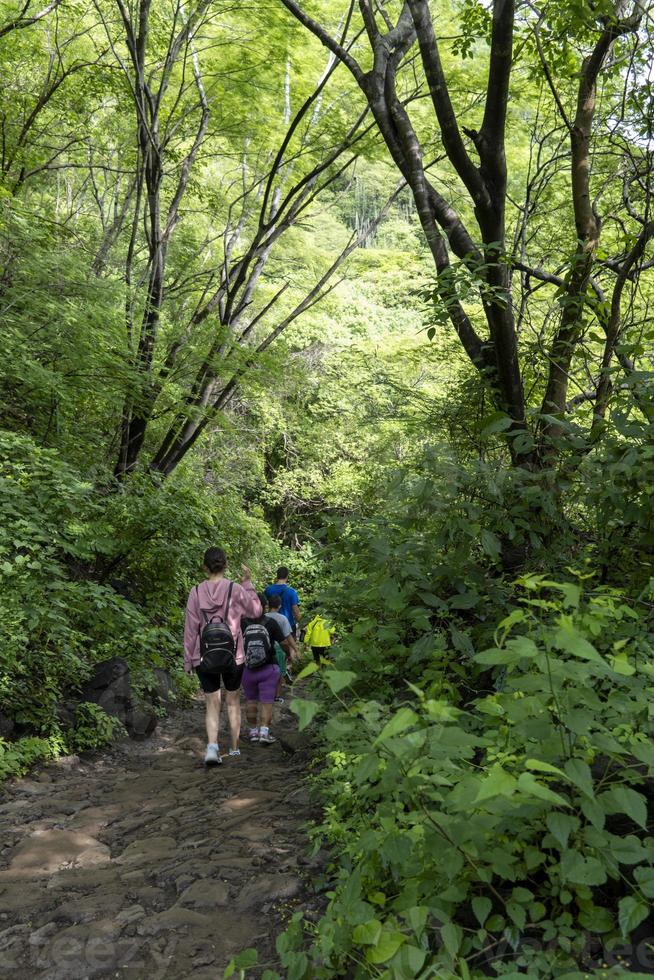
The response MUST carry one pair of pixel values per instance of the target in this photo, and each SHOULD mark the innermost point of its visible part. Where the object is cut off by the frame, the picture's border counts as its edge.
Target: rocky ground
(140, 863)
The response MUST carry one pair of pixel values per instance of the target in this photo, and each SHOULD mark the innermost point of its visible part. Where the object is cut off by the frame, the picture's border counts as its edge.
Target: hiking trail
(139, 862)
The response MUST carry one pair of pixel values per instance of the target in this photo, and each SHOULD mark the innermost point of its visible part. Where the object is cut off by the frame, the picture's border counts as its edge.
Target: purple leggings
(261, 685)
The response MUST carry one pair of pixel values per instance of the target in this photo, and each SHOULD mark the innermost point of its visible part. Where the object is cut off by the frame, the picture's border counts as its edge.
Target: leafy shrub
(616, 508)
(88, 574)
(94, 728)
(487, 740)
(508, 833)
(16, 758)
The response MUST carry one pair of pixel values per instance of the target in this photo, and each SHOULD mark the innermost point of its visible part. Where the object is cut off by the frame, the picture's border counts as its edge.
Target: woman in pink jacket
(208, 601)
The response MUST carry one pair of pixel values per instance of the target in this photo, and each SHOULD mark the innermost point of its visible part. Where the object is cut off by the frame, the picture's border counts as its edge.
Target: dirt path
(140, 863)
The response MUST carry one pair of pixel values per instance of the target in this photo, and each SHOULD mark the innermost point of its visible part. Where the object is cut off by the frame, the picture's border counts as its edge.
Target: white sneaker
(212, 756)
(234, 752)
(266, 737)
(279, 700)
(254, 734)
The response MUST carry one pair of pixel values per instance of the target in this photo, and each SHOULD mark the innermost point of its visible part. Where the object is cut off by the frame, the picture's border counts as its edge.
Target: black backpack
(217, 646)
(258, 646)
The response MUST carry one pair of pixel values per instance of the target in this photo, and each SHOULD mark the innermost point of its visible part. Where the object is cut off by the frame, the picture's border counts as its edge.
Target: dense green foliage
(89, 575)
(488, 740)
(224, 322)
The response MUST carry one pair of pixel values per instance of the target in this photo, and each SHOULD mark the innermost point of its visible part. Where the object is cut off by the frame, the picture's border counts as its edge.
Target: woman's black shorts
(210, 683)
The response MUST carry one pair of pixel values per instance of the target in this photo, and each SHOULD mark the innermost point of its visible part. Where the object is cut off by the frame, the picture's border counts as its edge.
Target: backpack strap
(203, 615)
(229, 599)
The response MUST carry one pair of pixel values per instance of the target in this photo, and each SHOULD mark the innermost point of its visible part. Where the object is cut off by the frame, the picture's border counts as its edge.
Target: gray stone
(140, 721)
(293, 742)
(205, 894)
(66, 714)
(265, 888)
(40, 936)
(129, 915)
(204, 959)
(148, 851)
(6, 725)
(49, 851)
(111, 689)
(163, 686)
(174, 920)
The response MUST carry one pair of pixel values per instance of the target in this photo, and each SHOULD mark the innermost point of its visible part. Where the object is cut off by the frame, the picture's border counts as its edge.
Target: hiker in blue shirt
(290, 602)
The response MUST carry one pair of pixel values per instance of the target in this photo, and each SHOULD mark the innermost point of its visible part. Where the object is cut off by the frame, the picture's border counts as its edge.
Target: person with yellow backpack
(318, 636)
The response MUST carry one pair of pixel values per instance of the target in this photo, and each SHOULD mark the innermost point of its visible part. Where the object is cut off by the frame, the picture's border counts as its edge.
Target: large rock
(163, 687)
(6, 725)
(110, 687)
(267, 888)
(141, 721)
(45, 852)
(205, 894)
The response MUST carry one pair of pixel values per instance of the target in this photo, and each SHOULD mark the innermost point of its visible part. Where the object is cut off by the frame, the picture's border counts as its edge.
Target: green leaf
(631, 912)
(307, 671)
(622, 799)
(515, 650)
(489, 706)
(645, 878)
(571, 592)
(368, 933)
(497, 657)
(388, 945)
(527, 783)
(622, 665)
(515, 616)
(408, 961)
(451, 935)
(242, 961)
(644, 752)
(496, 923)
(464, 601)
(497, 422)
(560, 826)
(462, 641)
(593, 812)
(490, 543)
(567, 638)
(580, 870)
(496, 783)
(579, 774)
(432, 600)
(628, 850)
(417, 918)
(338, 679)
(596, 918)
(539, 766)
(481, 906)
(517, 913)
(305, 711)
(401, 720)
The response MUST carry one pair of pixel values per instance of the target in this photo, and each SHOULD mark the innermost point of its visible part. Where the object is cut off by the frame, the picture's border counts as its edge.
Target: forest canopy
(365, 288)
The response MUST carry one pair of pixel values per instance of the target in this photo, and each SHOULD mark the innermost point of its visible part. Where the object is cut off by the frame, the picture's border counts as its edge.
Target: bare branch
(326, 39)
(23, 20)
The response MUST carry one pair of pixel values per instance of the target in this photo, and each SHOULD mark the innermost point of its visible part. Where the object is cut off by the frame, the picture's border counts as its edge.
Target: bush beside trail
(488, 745)
(90, 573)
